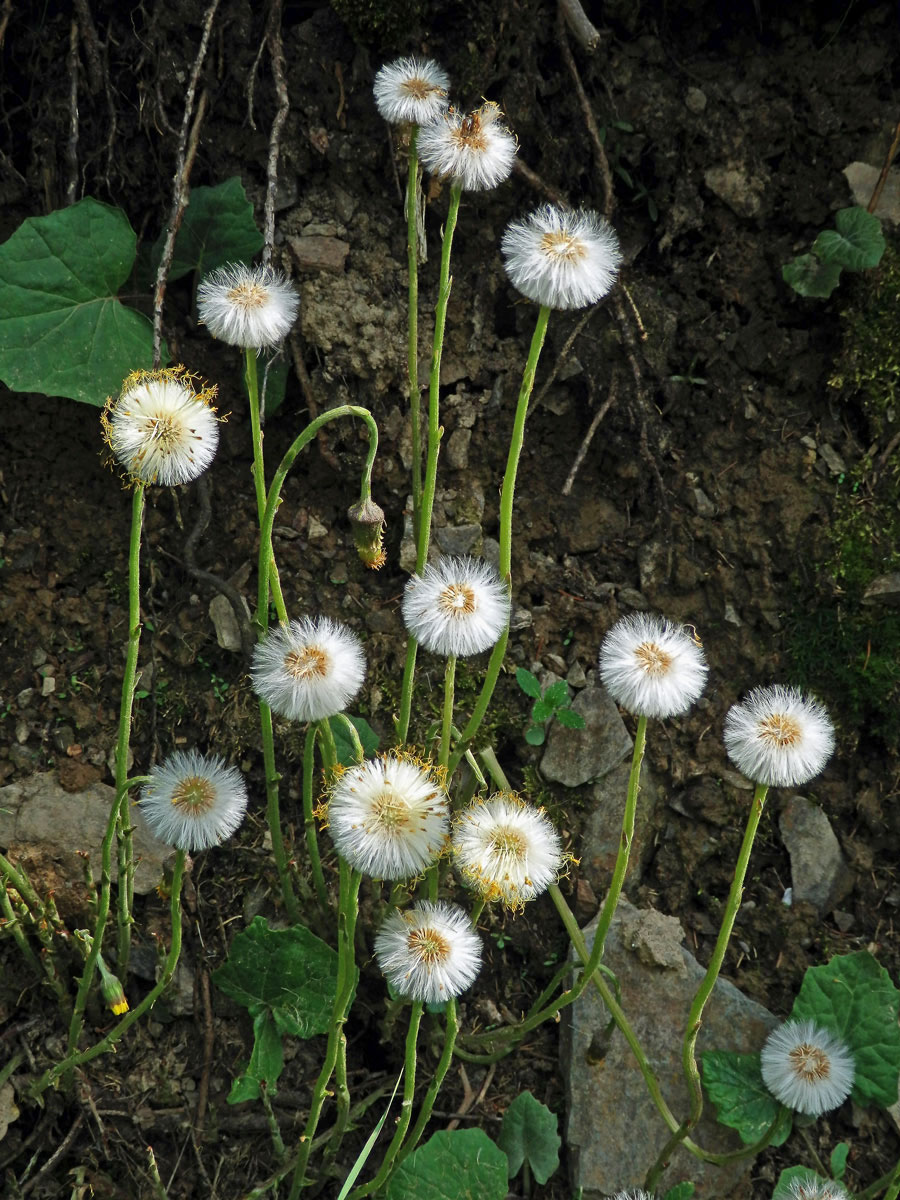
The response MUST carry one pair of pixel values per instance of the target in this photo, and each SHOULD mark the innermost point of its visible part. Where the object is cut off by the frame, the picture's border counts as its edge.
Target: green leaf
(681, 1191)
(63, 331)
(557, 693)
(856, 244)
(266, 1061)
(535, 736)
(838, 1162)
(346, 751)
(218, 228)
(853, 997)
(787, 1177)
(809, 276)
(529, 1132)
(743, 1102)
(528, 683)
(276, 380)
(570, 718)
(289, 973)
(461, 1165)
(541, 711)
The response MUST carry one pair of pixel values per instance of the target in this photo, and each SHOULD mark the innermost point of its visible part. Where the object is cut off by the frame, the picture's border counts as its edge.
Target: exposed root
(601, 162)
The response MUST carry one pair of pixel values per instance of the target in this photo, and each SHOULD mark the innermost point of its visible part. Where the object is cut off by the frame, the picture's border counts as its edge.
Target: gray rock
(741, 191)
(459, 539)
(883, 590)
(603, 829)
(606, 1091)
(458, 448)
(862, 179)
(37, 811)
(574, 756)
(228, 632)
(819, 873)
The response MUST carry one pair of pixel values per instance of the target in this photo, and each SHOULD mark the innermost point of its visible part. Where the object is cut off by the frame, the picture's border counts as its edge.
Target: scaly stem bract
(129, 682)
(119, 1030)
(346, 983)
(409, 1091)
(309, 820)
(412, 259)
(507, 496)
(435, 431)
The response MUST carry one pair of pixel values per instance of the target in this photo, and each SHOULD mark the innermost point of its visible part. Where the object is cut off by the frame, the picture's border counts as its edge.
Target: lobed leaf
(743, 1102)
(557, 693)
(570, 718)
(528, 683)
(809, 276)
(460, 1165)
(856, 244)
(63, 331)
(529, 1133)
(854, 997)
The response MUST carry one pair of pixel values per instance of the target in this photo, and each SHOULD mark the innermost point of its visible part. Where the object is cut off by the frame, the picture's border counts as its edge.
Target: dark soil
(705, 493)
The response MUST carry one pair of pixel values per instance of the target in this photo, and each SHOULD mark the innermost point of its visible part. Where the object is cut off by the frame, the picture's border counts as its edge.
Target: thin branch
(72, 142)
(276, 49)
(582, 29)
(601, 162)
(882, 178)
(532, 178)
(187, 148)
(592, 429)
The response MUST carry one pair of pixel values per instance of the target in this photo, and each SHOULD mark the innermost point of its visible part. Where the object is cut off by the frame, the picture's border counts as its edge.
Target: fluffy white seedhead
(506, 850)
(193, 802)
(807, 1068)
(160, 429)
(652, 667)
(561, 259)
(309, 669)
(411, 90)
(811, 1187)
(637, 1194)
(246, 306)
(458, 607)
(429, 952)
(778, 737)
(388, 817)
(474, 149)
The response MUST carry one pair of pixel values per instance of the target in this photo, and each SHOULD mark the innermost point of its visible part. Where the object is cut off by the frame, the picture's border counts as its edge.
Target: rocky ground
(716, 490)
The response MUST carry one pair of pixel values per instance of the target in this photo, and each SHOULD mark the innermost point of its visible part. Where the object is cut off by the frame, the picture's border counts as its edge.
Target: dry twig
(187, 148)
(72, 142)
(92, 54)
(582, 29)
(532, 178)
(276, 49)
(882, 178)
(601, 162)
(592, 429)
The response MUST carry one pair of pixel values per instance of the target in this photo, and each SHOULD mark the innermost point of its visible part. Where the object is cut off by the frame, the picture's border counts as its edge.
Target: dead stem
(600, 160)
(276, 50)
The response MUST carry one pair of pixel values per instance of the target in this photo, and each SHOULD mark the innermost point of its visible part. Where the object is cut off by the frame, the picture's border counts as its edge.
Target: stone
(39, 812)
(695, 100)
(228, 632)
(862, 179)
(741, 191)
(603, 828)
(575, 756)
(314, 253)
(819, 872)
(883, 590)
(458, 448)
(459, 539)
(604, 1087)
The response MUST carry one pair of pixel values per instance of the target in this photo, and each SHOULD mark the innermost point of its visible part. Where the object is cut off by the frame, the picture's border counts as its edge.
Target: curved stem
(129, 682)
(451, 1030)
(118, 1031)
(447, 715)
(423, 533)
(251, 381)
(273, 813)
(507, 496)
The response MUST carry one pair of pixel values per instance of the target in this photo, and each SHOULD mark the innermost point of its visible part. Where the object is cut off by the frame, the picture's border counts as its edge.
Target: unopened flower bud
(111, 989)
(367, 521)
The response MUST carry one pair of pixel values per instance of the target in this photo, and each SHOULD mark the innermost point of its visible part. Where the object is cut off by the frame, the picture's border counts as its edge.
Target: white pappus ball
(429, 952)
(475, 150)
(652, 667)
(561, 259)
(193, 802)
(457, 607)
(506, 850)
(807, 1068)
(308, 669)
(251, 307)
(779, 737)
(411, 90)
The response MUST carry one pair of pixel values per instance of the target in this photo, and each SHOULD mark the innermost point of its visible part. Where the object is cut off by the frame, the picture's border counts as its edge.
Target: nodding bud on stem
(367, 521)
(111, 989)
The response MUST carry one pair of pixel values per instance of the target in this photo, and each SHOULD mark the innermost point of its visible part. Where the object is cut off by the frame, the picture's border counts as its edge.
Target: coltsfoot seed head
(812, 1187)
(457, 607)
(160, 428)
(506, 850)
(309, 669)
(388, 817)
(652, 667)
(429, 952)
(561, 259)
(475, 150)
(807, 1068)
(411, 90)
(778, 737)
(192, 802)
(251, 307)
